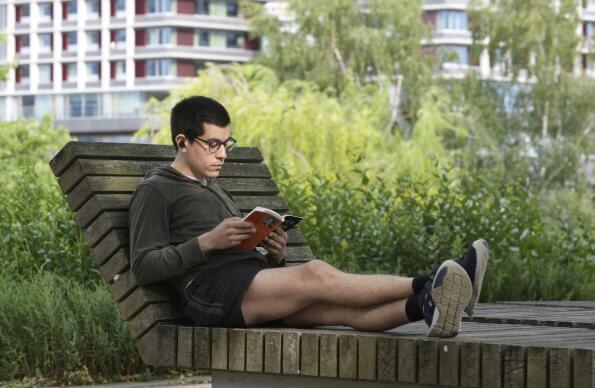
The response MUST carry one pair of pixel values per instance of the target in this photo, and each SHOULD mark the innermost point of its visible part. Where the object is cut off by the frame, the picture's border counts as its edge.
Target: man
(184, 226)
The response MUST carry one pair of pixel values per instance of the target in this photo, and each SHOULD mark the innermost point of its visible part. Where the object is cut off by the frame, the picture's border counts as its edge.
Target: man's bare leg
(277, 293)
(378, 317)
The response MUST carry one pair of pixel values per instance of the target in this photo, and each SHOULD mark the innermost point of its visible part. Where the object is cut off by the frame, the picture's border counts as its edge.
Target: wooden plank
(151, 315)
(105, 222)
(491, 365)
(407, 360)
(185, 347)
(144, 296)
(219, 348)
(255, 355)
(366, 358)
(560, 368)
(470, 354)
(449, 363)
(309, 354)
(202, 348)
(237, 349)
(427, 362)
(93, 167)
(586, 304)
(158, 346)
(583, 368)
(98, 203)
(514, 366)
(299, 253)
(347, 356)
(536, 367)
(108, 245)
(328, 355)
(123, 151)
(123, 284)
(272, 352)
(387, 359)
(291, 353)
(116, 264)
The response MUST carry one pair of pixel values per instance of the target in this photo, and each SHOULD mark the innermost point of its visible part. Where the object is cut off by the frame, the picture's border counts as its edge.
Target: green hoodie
(168, 211)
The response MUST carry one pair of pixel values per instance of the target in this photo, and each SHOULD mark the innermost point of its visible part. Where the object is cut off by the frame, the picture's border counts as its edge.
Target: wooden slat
(255, 357)
(143, 296)
(95, 167)
(185, 347)
(106, 222)
(202, 348)
(107, 246)
(124, 283)
(348, 356)
(299, 253)
(449, 363)
(407, 357)
(328, 355)
(583, 368)
(219, 348)
(237, 350)
(536, 367)
(560, 368)
(272, 352)
(115, 265)
(309, 354)
(291, 353)
(470, 364)
(491, 364)
(427, 362)
(122, 151)
(366, 358)
(98, 203)
(151, 315)
(514, 366)
(387, 359)
(158, 346)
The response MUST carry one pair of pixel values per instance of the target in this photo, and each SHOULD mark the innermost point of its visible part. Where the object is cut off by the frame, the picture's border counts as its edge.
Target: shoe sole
(482, 252)
(451, 292)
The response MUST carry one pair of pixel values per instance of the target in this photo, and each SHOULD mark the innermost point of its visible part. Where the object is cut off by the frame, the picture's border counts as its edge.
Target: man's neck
(183, 169)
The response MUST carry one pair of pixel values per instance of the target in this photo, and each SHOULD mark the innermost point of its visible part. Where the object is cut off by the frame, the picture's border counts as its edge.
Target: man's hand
(275, 244)
(228, 234)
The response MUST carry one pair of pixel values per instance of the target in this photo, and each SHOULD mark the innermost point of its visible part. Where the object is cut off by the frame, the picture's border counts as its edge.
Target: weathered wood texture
(536, 344)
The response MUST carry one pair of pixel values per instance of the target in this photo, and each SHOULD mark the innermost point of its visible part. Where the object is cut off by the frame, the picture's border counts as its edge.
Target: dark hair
(189, 115)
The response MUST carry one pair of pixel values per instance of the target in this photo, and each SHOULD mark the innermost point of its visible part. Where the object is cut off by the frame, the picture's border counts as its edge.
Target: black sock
(419, 283)
(413, 309)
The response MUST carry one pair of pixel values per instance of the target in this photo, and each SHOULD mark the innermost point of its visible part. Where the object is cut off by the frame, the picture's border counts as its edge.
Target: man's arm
(152, 257)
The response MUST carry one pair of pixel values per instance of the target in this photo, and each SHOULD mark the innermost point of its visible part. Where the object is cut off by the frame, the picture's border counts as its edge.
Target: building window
(83, 105)
(23, 74)
(45, 73)
(202, 7)
(22, 43)
(118, 70)
(453, 54)
(160, 6)
(451, 20)
(22, 13)
(118, 39)
(589, 30)
(72, 9)
(126, 104)
(92, 9)
(203, 38)
(93, 71)
(159, 67)
(235, 40)
(45, 12)
(45, 43)
(120, 7)
(232, 9)
(71, 41)
(28, 105)
(159, 36)
(70, 72)
(92, 40)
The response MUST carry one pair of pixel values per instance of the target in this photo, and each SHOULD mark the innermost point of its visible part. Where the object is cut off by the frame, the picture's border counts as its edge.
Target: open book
(265, 220)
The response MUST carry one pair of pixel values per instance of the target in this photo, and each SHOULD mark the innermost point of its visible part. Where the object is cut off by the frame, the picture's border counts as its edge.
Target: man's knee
(319, 271)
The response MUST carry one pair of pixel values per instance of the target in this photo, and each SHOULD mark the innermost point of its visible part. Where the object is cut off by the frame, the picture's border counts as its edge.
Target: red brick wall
(140, 68)
(141, 37)
(185, 37)
(186, 69)
(141, 6)
(186, 7)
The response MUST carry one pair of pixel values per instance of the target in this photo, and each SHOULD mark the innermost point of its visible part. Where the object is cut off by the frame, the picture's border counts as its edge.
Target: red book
(265, 220)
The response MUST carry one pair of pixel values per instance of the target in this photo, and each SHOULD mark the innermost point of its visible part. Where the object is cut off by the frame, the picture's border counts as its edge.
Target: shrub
(408, 225)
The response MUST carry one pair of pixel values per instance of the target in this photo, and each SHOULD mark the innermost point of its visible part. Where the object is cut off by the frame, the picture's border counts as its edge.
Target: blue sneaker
(444, 299)
(475, 263)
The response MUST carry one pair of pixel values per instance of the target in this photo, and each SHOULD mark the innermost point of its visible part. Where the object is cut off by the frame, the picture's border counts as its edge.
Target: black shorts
(214, 298)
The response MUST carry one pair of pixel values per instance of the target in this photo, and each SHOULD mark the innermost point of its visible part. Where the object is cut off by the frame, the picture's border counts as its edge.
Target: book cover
(265, 220)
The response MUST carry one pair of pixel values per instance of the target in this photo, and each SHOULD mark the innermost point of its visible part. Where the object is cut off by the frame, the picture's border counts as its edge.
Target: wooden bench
(98, 180)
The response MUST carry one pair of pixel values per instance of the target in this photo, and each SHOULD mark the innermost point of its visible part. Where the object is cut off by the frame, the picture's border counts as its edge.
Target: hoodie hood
(172, 173)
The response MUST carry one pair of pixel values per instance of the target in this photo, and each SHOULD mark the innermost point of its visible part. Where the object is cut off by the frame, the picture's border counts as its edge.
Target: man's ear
(181, 142)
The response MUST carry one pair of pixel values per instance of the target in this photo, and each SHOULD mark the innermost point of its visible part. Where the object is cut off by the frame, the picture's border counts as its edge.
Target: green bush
(55, 327)
(408, 225)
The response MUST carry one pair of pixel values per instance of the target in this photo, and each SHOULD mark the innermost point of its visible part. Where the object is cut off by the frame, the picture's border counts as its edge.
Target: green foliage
(38, 228)
(408, 225)
(335, 41)
(55, 327)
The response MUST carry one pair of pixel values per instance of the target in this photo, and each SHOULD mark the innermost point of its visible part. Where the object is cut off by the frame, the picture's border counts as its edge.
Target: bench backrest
(98, 180)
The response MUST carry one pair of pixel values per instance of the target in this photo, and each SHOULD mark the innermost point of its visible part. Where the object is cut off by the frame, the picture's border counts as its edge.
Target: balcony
(204, 53)
(195, 21)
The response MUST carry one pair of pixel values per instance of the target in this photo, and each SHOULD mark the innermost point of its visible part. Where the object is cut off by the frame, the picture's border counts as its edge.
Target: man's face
(198, 156)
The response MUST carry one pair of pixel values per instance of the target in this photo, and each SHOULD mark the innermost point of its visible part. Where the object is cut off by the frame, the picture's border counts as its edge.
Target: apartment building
(94, 63)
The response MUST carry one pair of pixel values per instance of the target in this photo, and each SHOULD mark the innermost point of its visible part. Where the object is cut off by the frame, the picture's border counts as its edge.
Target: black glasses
(215, 145)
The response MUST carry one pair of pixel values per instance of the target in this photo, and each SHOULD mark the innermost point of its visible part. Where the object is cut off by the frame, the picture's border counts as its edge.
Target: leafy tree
(333, 42)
